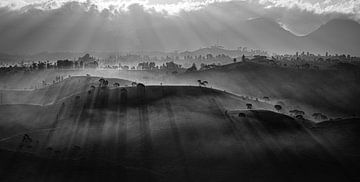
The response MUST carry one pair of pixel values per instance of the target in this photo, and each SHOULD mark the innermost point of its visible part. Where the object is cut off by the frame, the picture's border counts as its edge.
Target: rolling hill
(338, 36)
(55, 92)
(334, 92)
(168, 133)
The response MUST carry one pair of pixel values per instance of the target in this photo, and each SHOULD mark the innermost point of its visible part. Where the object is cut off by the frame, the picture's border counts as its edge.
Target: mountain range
(338, 36)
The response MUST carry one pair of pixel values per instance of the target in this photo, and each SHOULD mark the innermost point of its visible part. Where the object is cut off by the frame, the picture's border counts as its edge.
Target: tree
(199, 81)
(297, 112)
(140, 85)
(116, 84)
(243, 59)
(249, 106)
(242, 115)
(278, 107)
(203, 83)
(300, 117)
(101, 80)
(192, 68)
(319, 116)
(133, 84)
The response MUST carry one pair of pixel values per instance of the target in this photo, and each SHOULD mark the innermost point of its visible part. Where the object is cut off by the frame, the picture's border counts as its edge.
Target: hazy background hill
(341, 36)
(337, 36)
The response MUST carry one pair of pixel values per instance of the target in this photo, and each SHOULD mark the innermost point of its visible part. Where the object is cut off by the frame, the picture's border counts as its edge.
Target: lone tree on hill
(319, 116)
(202, 83)
(101, 80)
(278, 107)
(249, 106)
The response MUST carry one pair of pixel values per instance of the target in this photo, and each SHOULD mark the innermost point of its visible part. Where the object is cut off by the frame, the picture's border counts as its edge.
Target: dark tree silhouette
(297, 112)
(116, 84)
(278, 107)
(319, 116)
(202, 83)
(249, 106)
(26, 138)
(301, 117)
(133, 84)
(101, 80)
(242, 115)
(140, 85)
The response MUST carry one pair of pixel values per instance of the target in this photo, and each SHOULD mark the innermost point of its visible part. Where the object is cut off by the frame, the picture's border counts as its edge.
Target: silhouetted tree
(249, 106)
(116, 84)
(297, 112)
(266, 98)
(205, 83)
(242, 115)
(319, 116)
(133, 84)
(278, 107)
(301, 117)
(140, 85)
(101, 80)
(202, 83)
(192, 68)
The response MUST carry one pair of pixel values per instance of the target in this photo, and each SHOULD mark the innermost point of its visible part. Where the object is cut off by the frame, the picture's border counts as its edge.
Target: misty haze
(190, 90)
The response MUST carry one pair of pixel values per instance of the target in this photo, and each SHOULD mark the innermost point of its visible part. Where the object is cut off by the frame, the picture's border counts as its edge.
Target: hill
(54, 92)
(334, 92)
(164, 133)
(338, 36)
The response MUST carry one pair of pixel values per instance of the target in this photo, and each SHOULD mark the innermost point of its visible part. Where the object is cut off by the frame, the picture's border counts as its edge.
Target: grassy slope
(55, 92)
(169, 133)
(334, 92)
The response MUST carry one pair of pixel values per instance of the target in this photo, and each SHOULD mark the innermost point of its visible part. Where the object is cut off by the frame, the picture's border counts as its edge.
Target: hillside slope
(168, 133)
(55, 92)
(333, 92)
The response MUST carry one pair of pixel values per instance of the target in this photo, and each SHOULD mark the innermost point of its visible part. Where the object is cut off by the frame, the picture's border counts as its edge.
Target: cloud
(317, 6)
(41, 25)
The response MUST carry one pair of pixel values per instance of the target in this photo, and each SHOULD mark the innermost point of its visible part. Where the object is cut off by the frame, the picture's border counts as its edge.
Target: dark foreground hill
(170, 133)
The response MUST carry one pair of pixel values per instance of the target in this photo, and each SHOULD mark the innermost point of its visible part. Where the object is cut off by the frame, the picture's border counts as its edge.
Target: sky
(128, 19)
